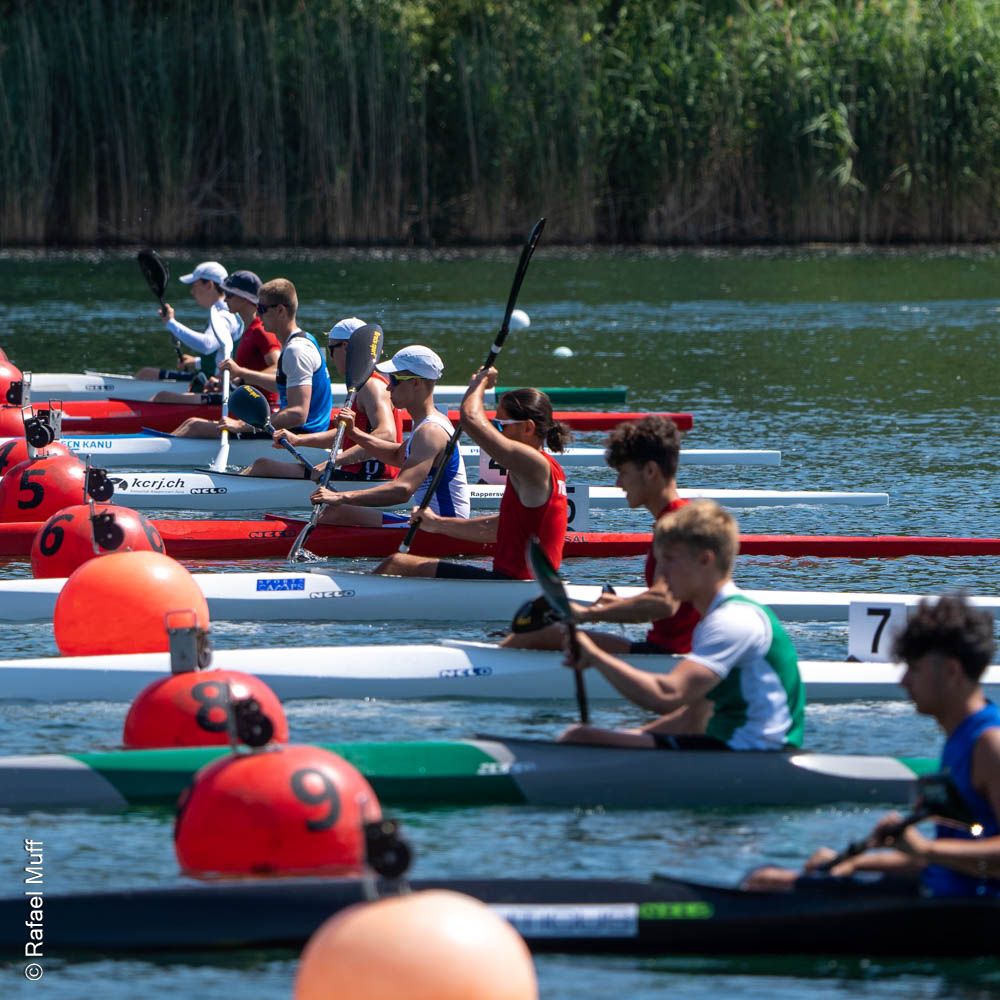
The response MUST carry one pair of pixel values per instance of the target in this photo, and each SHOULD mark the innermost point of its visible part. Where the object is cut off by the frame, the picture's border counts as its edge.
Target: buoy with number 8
(117, 604)
(36, 488)
(292, 810)
(191, 709)
(67, 538)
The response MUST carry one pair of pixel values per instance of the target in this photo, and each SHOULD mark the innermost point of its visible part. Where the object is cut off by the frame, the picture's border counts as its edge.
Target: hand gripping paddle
(157, 274)
(251, 406)
(363, 351)
(555, 593)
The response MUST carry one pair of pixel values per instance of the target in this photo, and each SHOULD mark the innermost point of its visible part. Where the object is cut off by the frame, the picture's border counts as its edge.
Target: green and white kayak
(491, 771)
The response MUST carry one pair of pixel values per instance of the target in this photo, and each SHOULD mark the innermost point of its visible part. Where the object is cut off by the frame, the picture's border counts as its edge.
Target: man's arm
(652, 604)
(374, 400)
(268, 381)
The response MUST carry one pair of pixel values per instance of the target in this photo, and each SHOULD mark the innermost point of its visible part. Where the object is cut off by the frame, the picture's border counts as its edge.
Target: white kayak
(118, 451)
(298, 594)
(447, 670)
(227, 491)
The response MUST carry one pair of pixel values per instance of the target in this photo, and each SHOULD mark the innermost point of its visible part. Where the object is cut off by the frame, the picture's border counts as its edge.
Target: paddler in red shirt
(534, 500)
(645, 454)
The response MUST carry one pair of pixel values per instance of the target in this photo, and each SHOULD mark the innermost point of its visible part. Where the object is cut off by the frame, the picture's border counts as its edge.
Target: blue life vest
(321, 401)
(956, 758)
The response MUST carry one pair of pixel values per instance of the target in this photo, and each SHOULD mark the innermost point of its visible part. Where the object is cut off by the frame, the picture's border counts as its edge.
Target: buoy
(16, 450)
(191, 709)
(562, 352)
(38, 487)
(519, 320)
(67, 538)
(293, 810)
(11, 420)
(433, 945)
(8, 373)
(117, 604)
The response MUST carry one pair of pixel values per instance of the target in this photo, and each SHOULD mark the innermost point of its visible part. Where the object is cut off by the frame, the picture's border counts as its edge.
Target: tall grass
(335, 121)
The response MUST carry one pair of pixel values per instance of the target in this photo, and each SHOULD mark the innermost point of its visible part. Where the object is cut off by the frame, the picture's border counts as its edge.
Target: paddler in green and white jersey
(739, 687)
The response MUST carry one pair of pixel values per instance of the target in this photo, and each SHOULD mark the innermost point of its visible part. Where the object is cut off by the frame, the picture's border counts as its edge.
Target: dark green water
(868, 371)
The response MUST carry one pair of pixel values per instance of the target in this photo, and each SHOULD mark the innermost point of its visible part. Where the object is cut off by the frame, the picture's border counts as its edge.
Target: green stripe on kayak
(921, 765)
(404, 774)
(565, 395)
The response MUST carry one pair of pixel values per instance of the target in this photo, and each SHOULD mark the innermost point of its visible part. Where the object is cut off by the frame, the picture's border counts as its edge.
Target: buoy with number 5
(36, 488)
(291, 810)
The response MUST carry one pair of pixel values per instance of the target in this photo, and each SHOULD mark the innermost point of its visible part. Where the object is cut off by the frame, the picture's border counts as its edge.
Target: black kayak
(658, 917)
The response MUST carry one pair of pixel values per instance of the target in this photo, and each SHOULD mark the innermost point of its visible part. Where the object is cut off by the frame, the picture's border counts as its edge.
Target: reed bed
(395, 121)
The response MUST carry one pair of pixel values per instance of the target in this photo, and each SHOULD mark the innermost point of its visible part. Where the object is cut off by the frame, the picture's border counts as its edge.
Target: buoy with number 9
(191, 709)
(433, 945)
(38, 487)
(117, 604)
(67, 538)
(293, 810)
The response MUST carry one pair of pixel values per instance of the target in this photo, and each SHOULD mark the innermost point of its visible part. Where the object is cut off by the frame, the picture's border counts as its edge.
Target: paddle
(938, 797)
(555, 593)
(522, 267)
(251, 406)
(363, 351)
(155, 271)
(221, 461)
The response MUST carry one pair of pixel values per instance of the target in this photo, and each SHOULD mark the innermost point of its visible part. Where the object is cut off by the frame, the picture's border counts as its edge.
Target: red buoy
(35, 489)
(294, 810)
(191, 709)
(8, 373)
(67, 538)
(117, 604)
(16, 450)
(11, 419)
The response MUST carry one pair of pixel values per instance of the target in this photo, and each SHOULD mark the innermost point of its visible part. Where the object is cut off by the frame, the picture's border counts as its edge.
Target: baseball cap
(342, 329)
(421, 361)
(245, 284)
(207, 270)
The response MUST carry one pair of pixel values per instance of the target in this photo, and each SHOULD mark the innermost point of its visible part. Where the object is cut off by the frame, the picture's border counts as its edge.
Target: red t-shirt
(673, 634)
(363, 424)
(518, 524)
(252, 351)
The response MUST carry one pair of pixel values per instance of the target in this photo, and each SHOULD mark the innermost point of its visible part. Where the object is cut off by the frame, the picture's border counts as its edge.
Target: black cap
(245, 284)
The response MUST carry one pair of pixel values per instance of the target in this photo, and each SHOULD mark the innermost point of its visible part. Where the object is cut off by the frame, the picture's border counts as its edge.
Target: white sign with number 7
(871, 629)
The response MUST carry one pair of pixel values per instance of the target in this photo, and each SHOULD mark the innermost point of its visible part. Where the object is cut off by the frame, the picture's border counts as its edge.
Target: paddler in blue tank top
(301, 380)
(946, 647)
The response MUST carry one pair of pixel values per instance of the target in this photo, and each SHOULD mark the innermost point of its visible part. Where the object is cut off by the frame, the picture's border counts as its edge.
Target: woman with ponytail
(534, 499)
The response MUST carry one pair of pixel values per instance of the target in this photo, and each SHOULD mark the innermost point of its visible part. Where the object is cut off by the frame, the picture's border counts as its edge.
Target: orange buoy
(67, 538)
(8, 373)
(38, 487)
(293, 810)
(433, 945)
(117, 604)
(192, 709)
(16, 450)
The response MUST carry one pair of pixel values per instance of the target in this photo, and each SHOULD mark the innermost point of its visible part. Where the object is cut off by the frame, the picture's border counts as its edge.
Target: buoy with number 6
(433, 945)
(519, 320)
(67, 538)
(291, 810)
(117, 604)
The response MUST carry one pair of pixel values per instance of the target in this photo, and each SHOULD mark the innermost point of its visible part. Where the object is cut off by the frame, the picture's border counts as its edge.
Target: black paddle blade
(548, 579)
(154, 270)
(938, 796)
(363, 351)
(250, 405)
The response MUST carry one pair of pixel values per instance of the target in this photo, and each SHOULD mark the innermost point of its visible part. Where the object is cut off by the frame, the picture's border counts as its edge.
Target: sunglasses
(262, 309)
(501, 424)
(337, 343)
(395, 379)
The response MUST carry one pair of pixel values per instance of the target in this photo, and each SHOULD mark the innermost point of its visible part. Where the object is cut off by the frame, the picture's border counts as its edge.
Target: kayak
(663, 916)
(450, 669)
(91, 385)
(273, 537)
(492, 771)
(122, 416)
(229, 491)
(299, 594)
(153, 448)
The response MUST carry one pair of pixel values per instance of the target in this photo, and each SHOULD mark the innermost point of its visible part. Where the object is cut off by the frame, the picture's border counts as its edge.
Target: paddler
(645, 456)
(215, 343)
(534, 499)
(257, 351)
(412, 374)
(739, 686)
(946, 646)
(373, 414)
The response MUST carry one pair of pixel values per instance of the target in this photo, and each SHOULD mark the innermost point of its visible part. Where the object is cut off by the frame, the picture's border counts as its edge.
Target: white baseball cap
(207, 270)
(421, 361)
(343, 329)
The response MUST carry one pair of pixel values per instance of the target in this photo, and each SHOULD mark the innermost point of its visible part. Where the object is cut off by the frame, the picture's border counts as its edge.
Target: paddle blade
(250, 405)
(363, 351)
(938, 796)
(548, 579)
(154, 270)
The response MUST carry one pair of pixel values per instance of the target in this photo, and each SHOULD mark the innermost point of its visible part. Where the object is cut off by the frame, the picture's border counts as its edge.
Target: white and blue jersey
(301, 363)
(451, 498)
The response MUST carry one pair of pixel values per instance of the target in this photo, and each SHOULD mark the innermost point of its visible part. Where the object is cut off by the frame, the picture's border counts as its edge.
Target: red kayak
(121, 416)
(273, 537)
